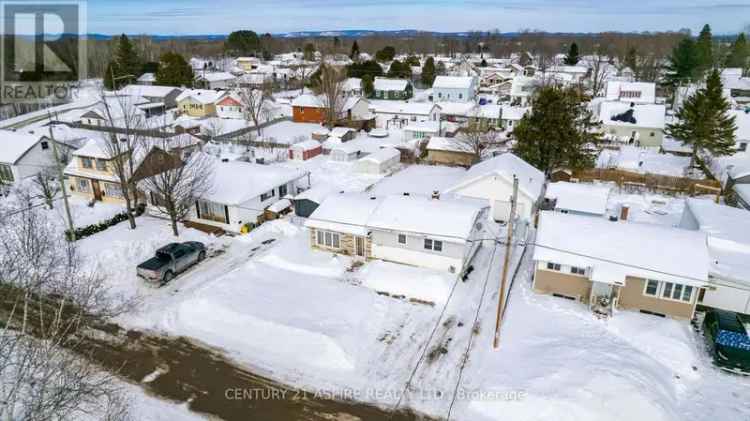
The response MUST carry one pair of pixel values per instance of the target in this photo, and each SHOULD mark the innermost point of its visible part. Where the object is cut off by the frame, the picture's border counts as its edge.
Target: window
(433, 245)
(113, 190)
(652, 288)
(460, 96)
(577, 271)
(554, 266)
(86, 163)
(652, 134)
(83, 185)
(328, 239)
(6, 173)
(402, 238)
(742, 147)
(101, 165)
(282, 191)
(212, 211)
(45, 145)
(266, 196)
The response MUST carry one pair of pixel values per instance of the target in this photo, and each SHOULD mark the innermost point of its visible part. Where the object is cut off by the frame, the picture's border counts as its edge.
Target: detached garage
(492, 180)
(380, 162)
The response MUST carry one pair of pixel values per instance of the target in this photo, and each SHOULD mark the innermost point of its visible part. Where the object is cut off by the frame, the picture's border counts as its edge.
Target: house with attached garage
(454, 88)
(412, 230)
(609, 265)
(198, 102)
(728, 231)
(23, 155)
(631, 123)
(386, 88)
(242, 192)
(492, 180)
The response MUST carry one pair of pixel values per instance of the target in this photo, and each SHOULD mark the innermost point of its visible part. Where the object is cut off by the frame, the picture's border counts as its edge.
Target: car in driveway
(727, 336)
(171, 260)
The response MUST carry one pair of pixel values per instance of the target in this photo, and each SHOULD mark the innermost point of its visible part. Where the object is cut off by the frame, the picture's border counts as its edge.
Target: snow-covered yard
(643, 160)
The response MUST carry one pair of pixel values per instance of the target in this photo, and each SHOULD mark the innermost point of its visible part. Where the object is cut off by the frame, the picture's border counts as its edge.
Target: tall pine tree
(631, 60)
(174, 70)
(684, 64)
(739, 53)
(558, 132)
(428, 72)
(704, 48)
(573, 56)
(125, 66)
(354, 55)
(704, 122)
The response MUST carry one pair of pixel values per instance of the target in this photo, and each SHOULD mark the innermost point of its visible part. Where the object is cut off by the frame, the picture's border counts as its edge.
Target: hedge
(81, 233)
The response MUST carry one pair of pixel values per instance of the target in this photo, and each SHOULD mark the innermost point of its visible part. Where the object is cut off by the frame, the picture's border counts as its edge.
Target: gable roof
(215, 76)
(236, 182)
(14, 145)
(204, 96)
(152, 91)
(453, 82)
(615, 250)
(530, 179)
(385, 84)
(647, 91)
(646, 115)
(347, 213)
(308, 100)
(579, 197)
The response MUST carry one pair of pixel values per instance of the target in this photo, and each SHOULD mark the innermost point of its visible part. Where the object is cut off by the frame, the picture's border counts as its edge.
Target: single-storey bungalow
(609, 265)
(392, 88)
(303, 151)
(578, 198)
(728, 231)
(381, 162)
(418, 231)
(242, 192)
(492, 180)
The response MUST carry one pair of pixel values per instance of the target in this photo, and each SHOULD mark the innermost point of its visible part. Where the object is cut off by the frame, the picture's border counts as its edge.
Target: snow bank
(413, 282)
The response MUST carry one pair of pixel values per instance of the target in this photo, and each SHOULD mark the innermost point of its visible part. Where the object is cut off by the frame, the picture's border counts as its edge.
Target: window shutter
(226, 213)
(198, 209)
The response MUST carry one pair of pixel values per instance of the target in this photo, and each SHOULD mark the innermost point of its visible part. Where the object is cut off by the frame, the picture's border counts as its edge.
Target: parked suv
(726, 334)
(171, 260)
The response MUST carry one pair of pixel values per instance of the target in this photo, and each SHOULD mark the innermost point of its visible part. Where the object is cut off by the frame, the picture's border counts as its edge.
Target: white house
(636, 92)
(521, 90)
(242, 191)
(639, 124)
(454, 88)
(418, 231)
(510, 115)
(396, 114)
(344, 152)
(23, 155)
(352, 87)
(492, 180)
(386, 88)
(229, 105)
(578, 198)
(381, 162)
(728, 231)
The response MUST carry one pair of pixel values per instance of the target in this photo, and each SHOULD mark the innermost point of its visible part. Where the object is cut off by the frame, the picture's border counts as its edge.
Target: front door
(97, 189)
(360, 246)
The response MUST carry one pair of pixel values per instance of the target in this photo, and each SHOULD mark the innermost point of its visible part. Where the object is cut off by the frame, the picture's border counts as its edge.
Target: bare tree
(175, 190)
(253, 103)
(125, 126)
(331, 88)
(598, 74)
(474, 139)
(45, 183)
(47, 301)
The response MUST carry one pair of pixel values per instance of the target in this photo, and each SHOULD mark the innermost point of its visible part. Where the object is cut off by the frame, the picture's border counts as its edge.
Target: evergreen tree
(739, 53)
(704, 122)
(683, 64)
(174, 70)
(483, 63)
(354, 55)
(386, 54)
(368, 86)
(309, 52)
(242, 43)
(631, 60)
(399, 70)
(428, 72)
(704, 50)
(370, 67)
(573, 56)
(558, 132)
(413, 61)
(125, 66)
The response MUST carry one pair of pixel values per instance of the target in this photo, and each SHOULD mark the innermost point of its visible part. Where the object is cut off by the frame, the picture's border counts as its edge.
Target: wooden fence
(650, 182)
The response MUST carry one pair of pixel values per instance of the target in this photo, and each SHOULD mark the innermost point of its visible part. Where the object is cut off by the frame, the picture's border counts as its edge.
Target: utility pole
(61, 177)
(506, 265)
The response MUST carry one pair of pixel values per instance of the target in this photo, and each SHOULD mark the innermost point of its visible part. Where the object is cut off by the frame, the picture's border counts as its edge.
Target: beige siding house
(620, 265)
(198, 102)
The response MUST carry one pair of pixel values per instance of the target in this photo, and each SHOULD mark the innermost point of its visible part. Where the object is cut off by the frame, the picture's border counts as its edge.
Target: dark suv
(726, 334)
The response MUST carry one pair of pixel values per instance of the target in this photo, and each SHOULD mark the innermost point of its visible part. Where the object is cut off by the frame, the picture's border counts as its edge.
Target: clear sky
(224, 16)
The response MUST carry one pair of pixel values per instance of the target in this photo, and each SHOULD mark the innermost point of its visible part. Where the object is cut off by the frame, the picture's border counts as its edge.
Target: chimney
(624, 212)
(435, 195)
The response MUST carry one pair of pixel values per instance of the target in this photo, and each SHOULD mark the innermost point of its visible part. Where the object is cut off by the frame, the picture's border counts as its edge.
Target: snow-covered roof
(215, 76)
(579, 197)
(280, 205)
(530, 179)
(147, 78)
(728, 232)
(382, 156)
(453, 82)
(236, 182)
(439, 219)
(638, 92)
(346, 213)
(510, 112)
(423, 126)
(462, 109)
(204, 96)
(615, 250)
(742, 121)
(94, 148)
(316, 193)
(402, 107)
(385, 84)
(646, 115)
(352, 84)
(447, 144)
(149, 91)
(341, 131)
(306, 145)
(14, 145)
(308, 100)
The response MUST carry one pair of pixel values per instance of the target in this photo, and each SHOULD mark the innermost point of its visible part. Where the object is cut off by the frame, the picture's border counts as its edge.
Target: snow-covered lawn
(84, 215)
(643, 160)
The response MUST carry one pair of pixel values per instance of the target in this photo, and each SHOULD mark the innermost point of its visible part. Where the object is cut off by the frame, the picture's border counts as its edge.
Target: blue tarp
(733, 340)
